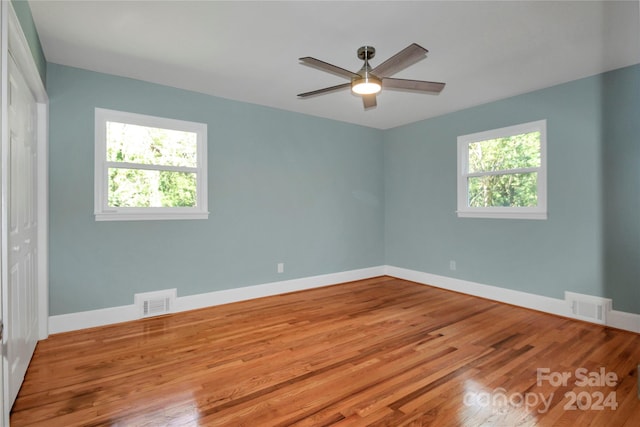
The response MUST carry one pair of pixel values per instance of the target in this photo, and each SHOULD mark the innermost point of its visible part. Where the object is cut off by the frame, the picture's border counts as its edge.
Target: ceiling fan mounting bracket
(366, 52)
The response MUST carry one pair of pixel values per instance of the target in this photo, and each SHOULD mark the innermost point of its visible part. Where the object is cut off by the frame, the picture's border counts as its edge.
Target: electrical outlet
(281, 267)
(452, 265)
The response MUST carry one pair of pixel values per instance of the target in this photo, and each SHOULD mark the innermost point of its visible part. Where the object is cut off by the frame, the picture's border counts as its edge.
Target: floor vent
(588, 307)
(155, 303)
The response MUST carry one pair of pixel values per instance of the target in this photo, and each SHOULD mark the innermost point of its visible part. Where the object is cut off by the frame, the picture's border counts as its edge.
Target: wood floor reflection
(381, 351)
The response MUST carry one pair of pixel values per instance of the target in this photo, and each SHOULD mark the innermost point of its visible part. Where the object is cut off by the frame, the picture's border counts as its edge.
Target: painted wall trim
(106, 316)
(559, 307)
(21, 52)
(18, 47)
(43, 218)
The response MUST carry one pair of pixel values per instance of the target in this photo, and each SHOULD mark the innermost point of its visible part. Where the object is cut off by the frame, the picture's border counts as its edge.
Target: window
(502, 173)
(149, 167)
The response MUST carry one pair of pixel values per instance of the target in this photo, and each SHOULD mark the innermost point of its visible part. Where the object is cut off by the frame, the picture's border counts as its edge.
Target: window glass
(149, 167)
(502, 172)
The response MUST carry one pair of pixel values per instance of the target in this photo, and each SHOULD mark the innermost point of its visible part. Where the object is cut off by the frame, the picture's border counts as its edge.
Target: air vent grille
(156, 306)
(155, 303)
(588, 307)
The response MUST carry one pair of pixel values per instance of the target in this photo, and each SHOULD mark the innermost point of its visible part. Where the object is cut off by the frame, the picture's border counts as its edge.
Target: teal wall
(324, 196)
(23, 12)
(621, 184)
(283, 187)
(569, 250)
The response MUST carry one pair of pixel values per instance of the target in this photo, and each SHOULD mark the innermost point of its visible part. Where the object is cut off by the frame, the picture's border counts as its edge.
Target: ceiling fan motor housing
(366, 83)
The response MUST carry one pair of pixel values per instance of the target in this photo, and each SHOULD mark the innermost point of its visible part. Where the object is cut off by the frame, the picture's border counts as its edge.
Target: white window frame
(538, 212)
(103, 212)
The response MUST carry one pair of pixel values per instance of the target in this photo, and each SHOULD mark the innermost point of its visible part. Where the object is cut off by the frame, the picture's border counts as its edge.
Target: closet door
(21, 317)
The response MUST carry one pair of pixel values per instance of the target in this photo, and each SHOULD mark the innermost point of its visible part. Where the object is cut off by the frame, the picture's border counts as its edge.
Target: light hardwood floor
(381, 351)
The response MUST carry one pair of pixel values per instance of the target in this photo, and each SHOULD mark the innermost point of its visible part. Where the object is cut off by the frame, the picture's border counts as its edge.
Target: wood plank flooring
(379, 352)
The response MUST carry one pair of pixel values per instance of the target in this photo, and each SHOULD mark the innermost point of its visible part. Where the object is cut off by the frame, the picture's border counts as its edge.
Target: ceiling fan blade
(325, 90)
(401, 60)
(369, 101)
(329, 68)
(415, 85)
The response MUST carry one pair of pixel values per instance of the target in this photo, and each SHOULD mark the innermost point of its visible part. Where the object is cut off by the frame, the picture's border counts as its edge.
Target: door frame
(13, 42)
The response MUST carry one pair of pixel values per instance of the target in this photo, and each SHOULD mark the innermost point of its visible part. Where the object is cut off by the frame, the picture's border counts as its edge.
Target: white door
(21, 318)
(2, 402)
(3, 419)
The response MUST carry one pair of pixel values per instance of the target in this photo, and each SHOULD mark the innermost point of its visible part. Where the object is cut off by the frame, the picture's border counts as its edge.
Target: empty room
(320, 213)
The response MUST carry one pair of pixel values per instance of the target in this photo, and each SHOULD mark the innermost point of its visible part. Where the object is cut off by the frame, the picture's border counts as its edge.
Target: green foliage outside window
(497, 175)
(143, 188)
(150, 187)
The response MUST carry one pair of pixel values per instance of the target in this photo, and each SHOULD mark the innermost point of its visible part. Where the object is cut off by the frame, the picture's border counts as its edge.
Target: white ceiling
(248, 51)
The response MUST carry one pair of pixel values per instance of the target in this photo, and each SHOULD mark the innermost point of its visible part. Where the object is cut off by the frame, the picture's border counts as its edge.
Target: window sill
(149, 216)
(502, 214)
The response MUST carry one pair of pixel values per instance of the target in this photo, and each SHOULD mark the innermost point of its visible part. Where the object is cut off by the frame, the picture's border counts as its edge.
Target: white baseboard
(92, 318)
(624, 320)
(193, 302)
(615, 319)
(106, 316)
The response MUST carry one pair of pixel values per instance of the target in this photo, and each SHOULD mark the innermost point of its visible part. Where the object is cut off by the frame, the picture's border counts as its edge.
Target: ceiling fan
(368, 81)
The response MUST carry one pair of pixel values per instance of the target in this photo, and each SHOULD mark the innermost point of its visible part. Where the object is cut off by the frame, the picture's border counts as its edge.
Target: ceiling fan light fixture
(366, 85)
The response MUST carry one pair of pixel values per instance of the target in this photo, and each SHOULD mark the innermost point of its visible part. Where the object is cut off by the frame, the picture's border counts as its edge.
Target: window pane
(150, 146)
(144, 188)
(513, 152)
(510, 190)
